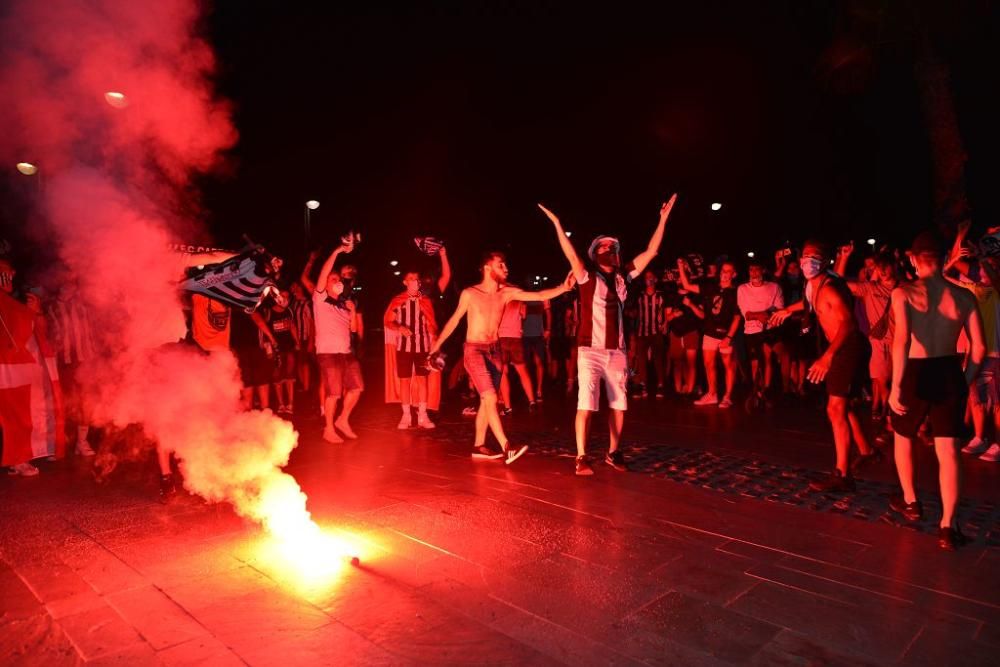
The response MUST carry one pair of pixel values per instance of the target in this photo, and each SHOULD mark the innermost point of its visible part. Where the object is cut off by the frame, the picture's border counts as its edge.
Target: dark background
(454, 118)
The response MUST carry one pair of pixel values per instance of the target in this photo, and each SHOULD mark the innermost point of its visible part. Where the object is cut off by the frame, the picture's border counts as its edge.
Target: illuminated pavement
(711, 552)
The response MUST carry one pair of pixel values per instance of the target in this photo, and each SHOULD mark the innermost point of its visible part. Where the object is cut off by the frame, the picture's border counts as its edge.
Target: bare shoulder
(965, 297)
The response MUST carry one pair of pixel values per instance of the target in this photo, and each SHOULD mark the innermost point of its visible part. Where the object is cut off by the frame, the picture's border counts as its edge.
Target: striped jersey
(602, 296)
(302, 313)
(650, 311)
(411, 312)
(72, 332)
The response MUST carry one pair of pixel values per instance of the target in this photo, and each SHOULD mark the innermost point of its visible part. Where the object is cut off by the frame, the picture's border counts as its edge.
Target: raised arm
(452, 323)
(445, 278)
(844, 253)
(327, 267)
(307, 271)
(685, 280)
(643, 259)
(575, 265)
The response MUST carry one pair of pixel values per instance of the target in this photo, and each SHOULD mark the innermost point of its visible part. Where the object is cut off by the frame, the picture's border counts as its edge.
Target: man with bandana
(600, 335)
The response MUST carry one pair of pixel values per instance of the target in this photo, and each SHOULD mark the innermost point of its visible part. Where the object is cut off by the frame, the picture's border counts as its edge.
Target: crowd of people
(907, 332)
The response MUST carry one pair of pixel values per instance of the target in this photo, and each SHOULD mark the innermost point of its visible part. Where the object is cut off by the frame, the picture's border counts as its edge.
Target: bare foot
(345, 428)
(330, 435)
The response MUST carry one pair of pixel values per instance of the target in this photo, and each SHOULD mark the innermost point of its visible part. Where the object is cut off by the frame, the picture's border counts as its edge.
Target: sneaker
(83, 448)
(423, 421)
(514, 452)
(484, 453)
(23, 469)
(345, 429)
(950, 539)
(708, 399)
(405, 422)
(506, 411)
(911, 511)
(835, 482)
(863, 460)
(616, 460)
(330, 435)
(539, 399)
(992, 454)
(583, 467)
(470, 411)
(726, 403)
(532, 406)
(976, 446)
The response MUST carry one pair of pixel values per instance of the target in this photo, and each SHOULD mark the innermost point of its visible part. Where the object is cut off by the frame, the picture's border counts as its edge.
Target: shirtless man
(927, 378)
(484, 304)
(842, 366)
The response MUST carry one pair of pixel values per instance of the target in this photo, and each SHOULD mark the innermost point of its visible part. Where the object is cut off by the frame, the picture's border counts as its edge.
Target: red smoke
(115, 178)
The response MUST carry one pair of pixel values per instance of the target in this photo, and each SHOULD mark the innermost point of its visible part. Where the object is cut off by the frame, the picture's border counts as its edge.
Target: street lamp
(394, 262)
(311, 206)
(750, 254)
(716, 206)
(27, 168)
(116, 99)
(871, 242)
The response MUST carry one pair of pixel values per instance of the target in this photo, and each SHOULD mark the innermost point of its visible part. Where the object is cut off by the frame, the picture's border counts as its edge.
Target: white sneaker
(24, 470)
(708, 399)
(423, 421)
(405, 423)
(83, 448)
(976, 446)
(992, 454)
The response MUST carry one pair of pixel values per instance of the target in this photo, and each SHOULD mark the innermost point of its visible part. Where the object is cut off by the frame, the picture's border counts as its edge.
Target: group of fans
(909, 331)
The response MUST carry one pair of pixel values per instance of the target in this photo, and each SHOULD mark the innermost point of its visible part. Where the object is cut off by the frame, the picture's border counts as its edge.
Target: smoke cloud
(118, 176)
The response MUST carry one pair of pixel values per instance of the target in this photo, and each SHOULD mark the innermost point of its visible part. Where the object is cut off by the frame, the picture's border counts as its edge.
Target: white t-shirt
(333, 324)
(753, 299)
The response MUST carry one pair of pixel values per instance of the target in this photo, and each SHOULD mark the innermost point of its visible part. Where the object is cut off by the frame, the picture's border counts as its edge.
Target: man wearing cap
(928, 378)
(600, 334)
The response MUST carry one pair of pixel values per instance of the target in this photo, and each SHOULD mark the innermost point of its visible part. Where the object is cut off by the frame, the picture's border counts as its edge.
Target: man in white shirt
(757, 299)
(336, 318)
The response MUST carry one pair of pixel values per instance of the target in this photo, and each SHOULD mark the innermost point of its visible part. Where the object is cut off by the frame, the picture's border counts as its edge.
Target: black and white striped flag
(241, 281)
(428, 244)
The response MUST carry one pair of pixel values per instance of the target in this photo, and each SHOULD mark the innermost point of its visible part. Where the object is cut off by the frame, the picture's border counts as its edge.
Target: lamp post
(311, 206)
(30, 169)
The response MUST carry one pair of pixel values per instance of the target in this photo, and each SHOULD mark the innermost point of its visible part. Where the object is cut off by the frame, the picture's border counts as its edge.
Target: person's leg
(640, 364)
(858, 431)
(768, 365)
(482, 423)
(836, 412)
(351, 399)
(657, 352)
(755, 378)
(525, 376)
(616, 421)
(978, 417)
(331, 383)
(677, 362)
(781, 350)
(711, 374)
(488, 406)
(264, 396)
(949, 477)
(290, 394)
(729, 364)
(581, 428)
(279, 394)
(505, 385)
(246, 398)
(405, 394)
(903, 453)
(690, 369)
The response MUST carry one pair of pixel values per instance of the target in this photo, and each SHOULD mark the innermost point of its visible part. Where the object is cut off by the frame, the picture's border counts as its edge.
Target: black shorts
(936, 388)
(409, 364)
(849, 369)
(559, 347)
(285, 367)
(755, 343)
(512, 350)
(534, 346)
(256, 369)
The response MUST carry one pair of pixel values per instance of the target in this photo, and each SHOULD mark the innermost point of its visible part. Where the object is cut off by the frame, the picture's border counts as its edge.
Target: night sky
(454, 118)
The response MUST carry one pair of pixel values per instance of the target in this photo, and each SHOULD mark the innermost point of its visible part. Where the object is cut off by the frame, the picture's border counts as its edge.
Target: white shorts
(594, 365)
(711, 343)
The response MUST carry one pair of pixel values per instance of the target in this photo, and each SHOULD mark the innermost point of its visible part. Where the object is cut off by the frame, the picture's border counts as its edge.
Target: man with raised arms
(483, 304)
(601, 332)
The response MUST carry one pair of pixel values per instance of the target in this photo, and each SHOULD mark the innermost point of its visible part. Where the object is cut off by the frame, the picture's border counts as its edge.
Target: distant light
(750, 254)
(716, 206)
(27, 168)
(538, 277)
(116, 99)
(312, 204)
(569, 234)
(871, 241)
(395, 273)
(358, 288)
(394, 263)
(545, 277)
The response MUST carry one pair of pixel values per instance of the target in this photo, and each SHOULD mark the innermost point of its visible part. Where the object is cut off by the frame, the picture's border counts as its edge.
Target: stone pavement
(709, 552)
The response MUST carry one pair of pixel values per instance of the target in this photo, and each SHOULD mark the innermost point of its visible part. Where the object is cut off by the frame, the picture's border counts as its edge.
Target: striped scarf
(241, 281)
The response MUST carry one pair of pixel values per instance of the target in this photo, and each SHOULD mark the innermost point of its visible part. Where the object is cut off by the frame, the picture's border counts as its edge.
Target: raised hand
(550, 214)
(667, 207)
(846, 249)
